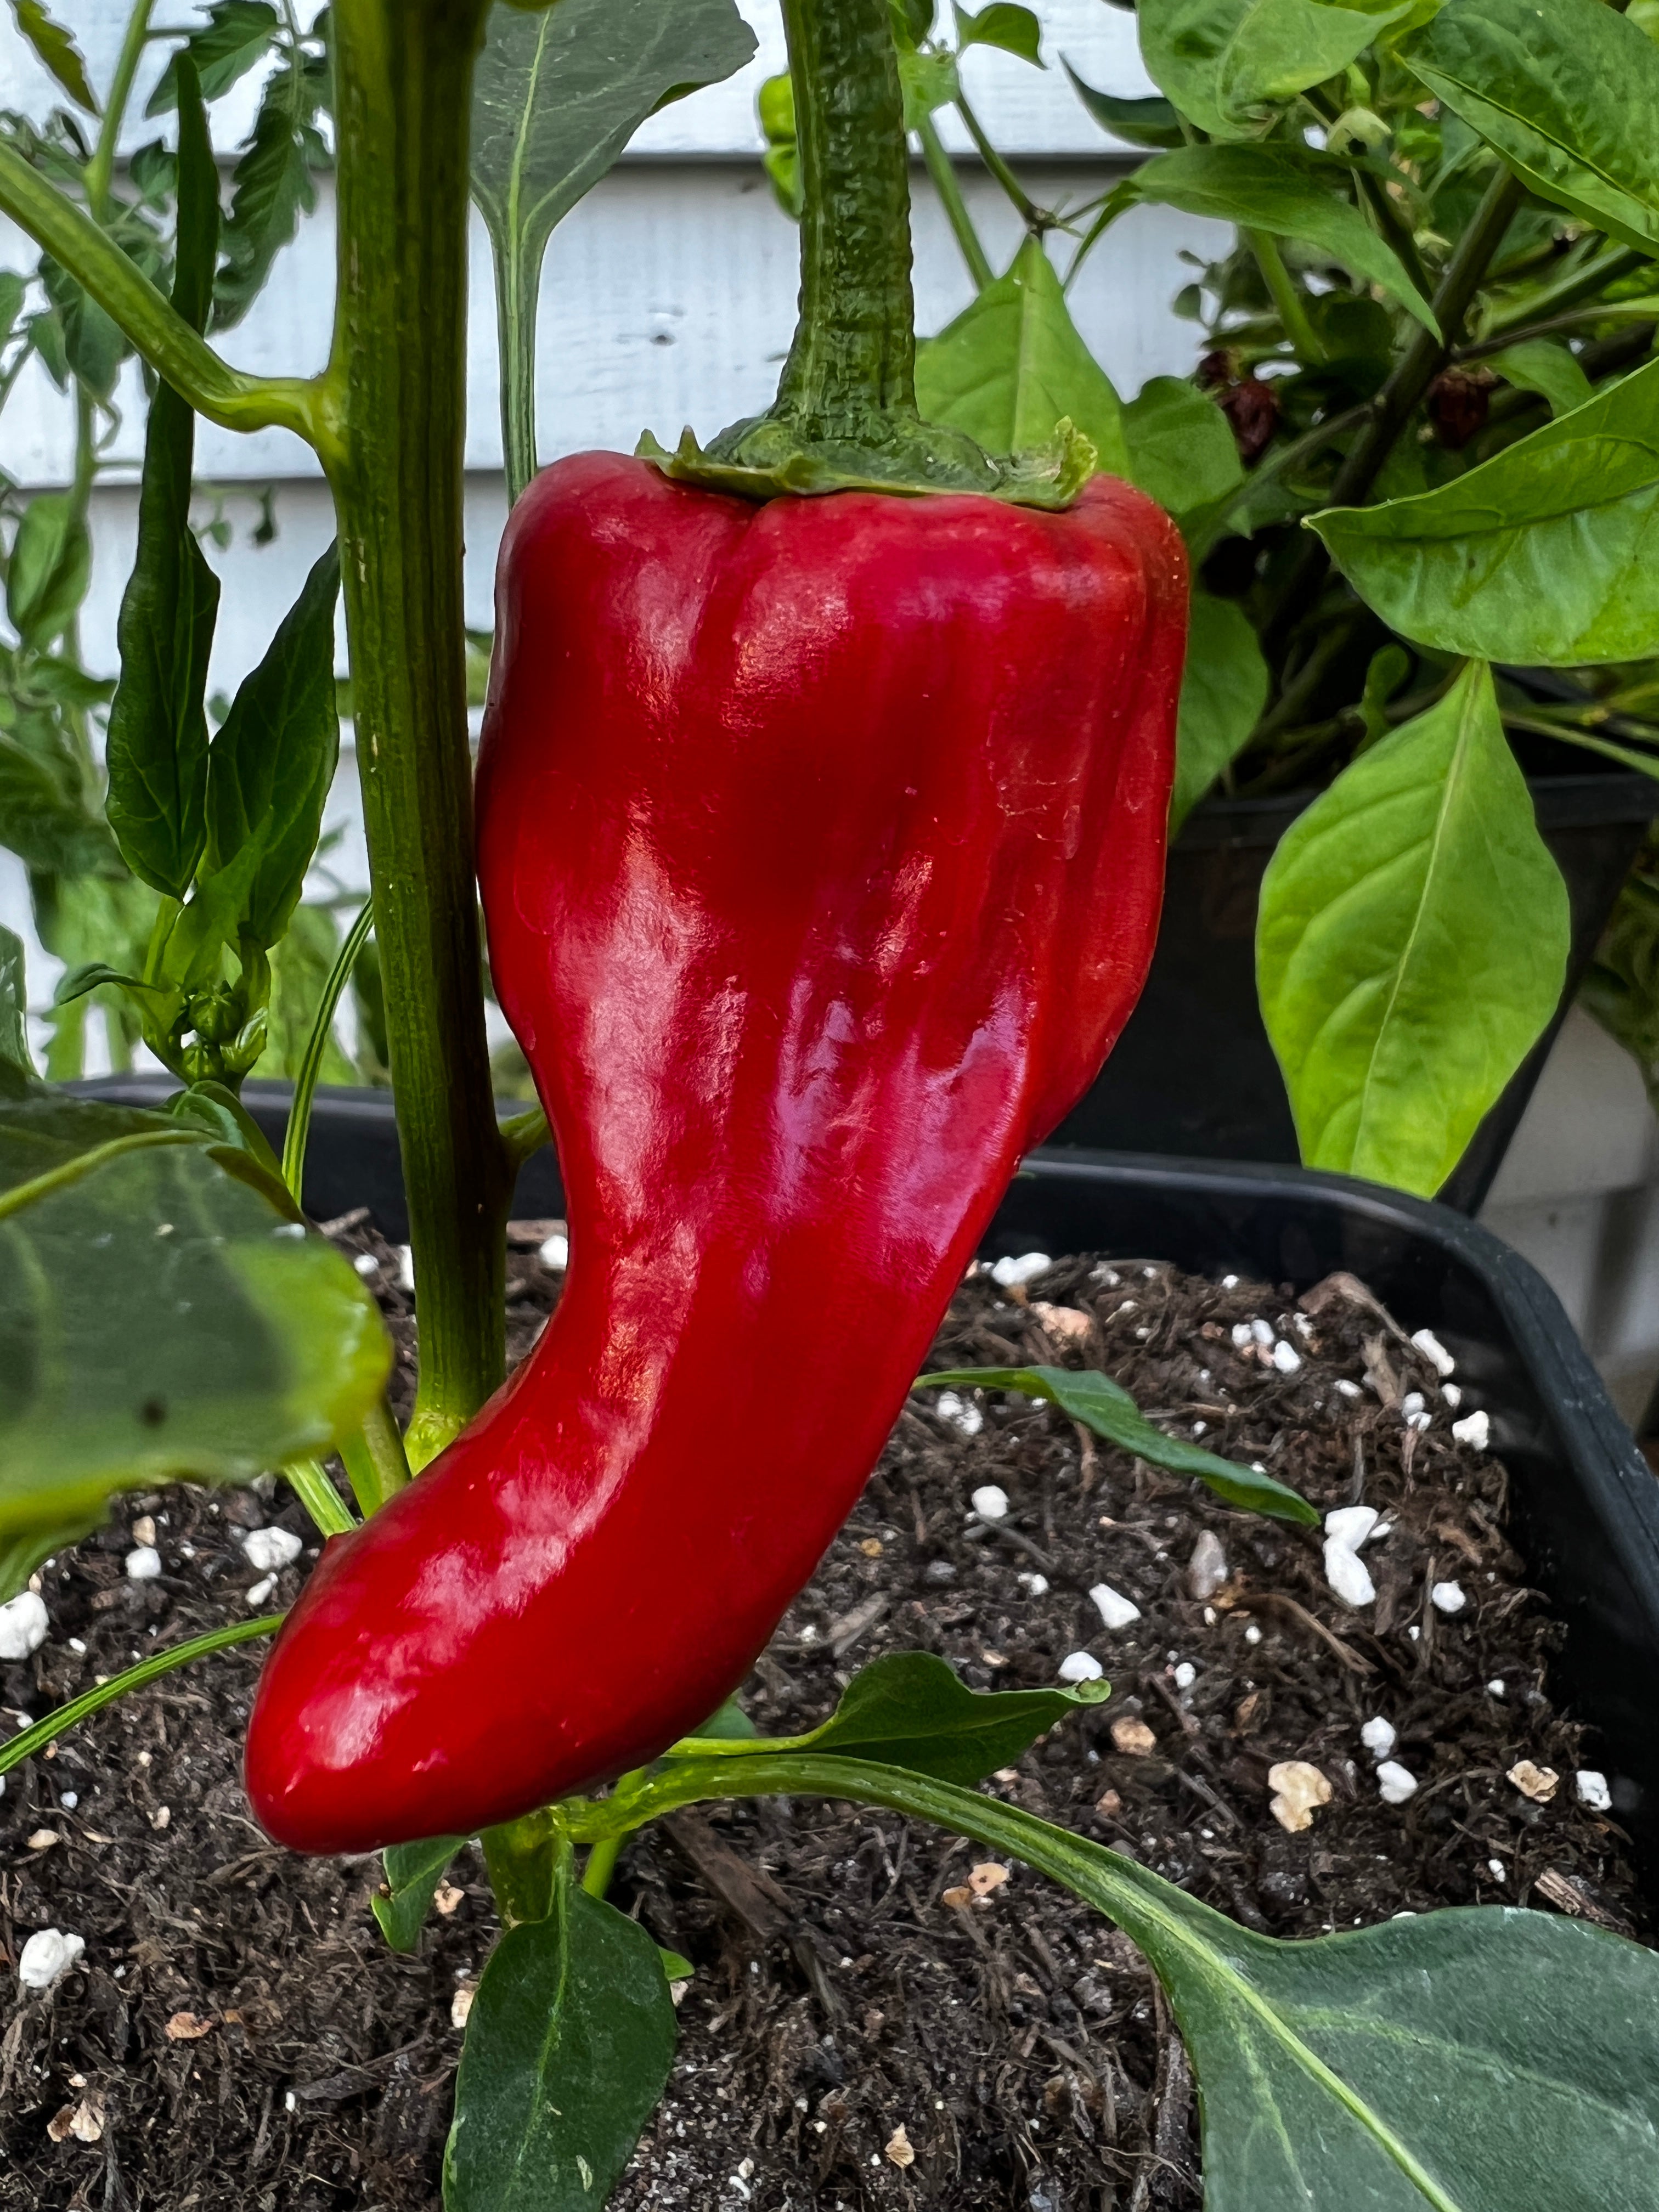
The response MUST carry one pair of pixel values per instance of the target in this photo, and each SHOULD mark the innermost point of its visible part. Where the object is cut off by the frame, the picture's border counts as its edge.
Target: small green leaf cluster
(165, 865)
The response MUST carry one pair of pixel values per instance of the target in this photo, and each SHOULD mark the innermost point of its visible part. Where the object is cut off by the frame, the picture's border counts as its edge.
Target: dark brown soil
(236, 2038)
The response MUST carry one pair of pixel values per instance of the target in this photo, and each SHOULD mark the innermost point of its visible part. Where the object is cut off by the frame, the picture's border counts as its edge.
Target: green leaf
(49, 568)
(1546, 556)
(928, 81)
(1223, 693)
(158, 739)
(908, 1709)
(1412, 943)
(1106, 1407)
(568, 2049)
(14, 1054)
(1548, 368)
(1568, 95)
(94, 347)
(271, 764)
(14, 290)
(1225, 62)
(730, 1721)
(236, 35)
(1016, 30)
(1284, 191)
(413, 1872)
(775, 107)
(555, 97)
(1013, 366)
(1464, 2061)
(56, 52)
(1151, 122)
(45, 818)
(258, 1343)
(272, 185)
(1181, 450)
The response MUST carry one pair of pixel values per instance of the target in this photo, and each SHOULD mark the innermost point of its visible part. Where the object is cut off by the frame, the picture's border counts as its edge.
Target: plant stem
(165, 339)
(1424, 356)
(602, 1859)
(28, 1741)
(402, 74)
(375, 1464)
(853, 356)
(295, 1135)
(308, 1480)
(1601, 270)
(946, 183)
(1030, 213)
(1292, 308)
(101, 167)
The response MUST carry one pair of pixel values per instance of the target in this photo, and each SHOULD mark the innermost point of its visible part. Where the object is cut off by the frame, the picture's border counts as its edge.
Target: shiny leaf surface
(1411, 947)
(1546, 556)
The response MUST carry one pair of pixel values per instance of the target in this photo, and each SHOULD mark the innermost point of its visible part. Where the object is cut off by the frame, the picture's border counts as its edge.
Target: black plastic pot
(1586, 1505)
(1194, 1074)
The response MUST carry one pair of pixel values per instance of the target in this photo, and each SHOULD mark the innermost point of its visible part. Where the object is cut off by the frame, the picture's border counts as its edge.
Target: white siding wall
(669, 298)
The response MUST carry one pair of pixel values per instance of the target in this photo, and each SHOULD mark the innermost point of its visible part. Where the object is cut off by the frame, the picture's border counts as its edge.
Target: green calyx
(762, 465)
(845, 418)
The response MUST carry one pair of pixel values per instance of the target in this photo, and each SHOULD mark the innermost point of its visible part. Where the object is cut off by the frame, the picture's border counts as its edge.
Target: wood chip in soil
(871, 2022)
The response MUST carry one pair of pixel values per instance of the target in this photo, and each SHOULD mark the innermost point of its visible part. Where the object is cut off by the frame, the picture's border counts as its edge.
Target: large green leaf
(272, 763)
(569, 2044)
(1567, 93)
(1465, 2061)
(163, 1313)
(1546, 556)
(1223, 692)
(1225, 62)
(1284, 191)
(1181, 449)
(1106, 1407)
(555, 97)
(1412, 943)
(158, 739)
(909, 1708)
(1013, 365)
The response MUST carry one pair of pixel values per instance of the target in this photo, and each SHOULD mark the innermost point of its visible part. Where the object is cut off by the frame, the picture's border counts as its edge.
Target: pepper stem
(855, 352)
(845, 417)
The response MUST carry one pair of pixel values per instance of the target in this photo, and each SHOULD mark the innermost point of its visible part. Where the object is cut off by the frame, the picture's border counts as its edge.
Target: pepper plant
(1464, 2061)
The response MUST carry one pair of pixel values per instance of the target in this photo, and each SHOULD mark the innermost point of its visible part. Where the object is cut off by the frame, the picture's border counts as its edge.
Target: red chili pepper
(821, 845)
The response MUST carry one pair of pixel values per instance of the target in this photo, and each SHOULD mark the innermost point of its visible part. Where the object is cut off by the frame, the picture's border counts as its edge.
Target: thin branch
(942, 169)
(224, 395)
(1408, 382)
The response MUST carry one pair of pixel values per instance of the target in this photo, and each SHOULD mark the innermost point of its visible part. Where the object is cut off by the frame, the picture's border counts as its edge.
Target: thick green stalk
(402, 73)
(855, 352)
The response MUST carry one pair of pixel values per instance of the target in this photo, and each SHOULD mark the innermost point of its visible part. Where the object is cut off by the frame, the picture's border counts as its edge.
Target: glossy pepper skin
(822, 846)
